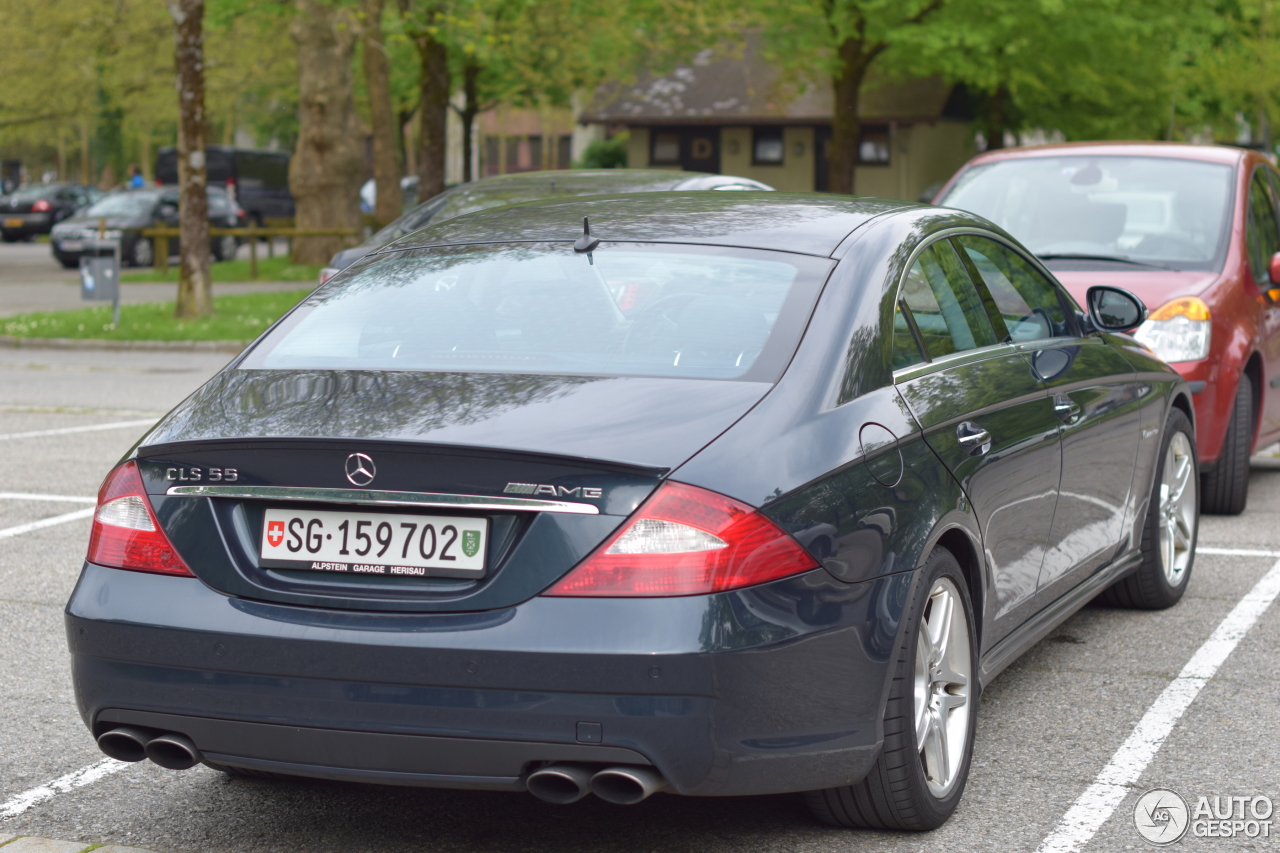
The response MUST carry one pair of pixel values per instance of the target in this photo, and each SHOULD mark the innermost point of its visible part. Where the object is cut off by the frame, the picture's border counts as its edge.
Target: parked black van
(258, 181)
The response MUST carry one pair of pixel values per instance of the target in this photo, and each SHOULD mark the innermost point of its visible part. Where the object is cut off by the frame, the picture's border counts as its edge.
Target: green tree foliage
(605, 154)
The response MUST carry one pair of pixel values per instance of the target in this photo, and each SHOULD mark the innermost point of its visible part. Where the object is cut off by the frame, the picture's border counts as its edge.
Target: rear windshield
(626, 310)
(124, 204)
(1158, 210)
(27, 194)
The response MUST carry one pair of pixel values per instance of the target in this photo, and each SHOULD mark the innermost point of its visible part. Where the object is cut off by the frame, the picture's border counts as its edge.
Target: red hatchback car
(1191, 230)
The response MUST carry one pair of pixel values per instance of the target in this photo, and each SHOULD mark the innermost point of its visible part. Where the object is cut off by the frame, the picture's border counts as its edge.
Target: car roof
(1171, 150)
(805, 223)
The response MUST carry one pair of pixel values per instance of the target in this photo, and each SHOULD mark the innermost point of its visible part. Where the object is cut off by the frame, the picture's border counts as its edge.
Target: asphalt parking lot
(1047, 727)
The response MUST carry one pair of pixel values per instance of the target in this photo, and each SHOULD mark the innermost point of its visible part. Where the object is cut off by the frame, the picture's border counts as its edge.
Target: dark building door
(694, 149)
(822, 158)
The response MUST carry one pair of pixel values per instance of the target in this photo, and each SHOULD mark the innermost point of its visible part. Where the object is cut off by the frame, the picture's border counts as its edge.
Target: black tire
(1150, 587)
(10, 238)
(1225, 489)
(895, 794)
(69, 263)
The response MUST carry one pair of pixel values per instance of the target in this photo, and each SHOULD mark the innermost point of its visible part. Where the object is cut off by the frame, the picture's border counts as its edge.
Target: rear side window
(1027, 302)
(947, 311)
(1262, 240)
(628, 310)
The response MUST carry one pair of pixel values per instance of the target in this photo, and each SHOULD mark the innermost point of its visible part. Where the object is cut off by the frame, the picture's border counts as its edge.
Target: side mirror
(1113, 309)
(1273, 269)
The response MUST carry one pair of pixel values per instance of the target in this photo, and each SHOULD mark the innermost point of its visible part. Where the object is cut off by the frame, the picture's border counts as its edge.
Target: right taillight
(687, 541)
(126, 534)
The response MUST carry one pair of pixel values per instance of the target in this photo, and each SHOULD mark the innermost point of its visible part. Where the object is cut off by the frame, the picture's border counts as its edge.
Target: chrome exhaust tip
(125, 743)
(626, 786)
(174, 751)
(560, 783)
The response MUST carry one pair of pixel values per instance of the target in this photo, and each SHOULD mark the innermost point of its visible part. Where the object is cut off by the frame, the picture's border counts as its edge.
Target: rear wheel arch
(959, 542)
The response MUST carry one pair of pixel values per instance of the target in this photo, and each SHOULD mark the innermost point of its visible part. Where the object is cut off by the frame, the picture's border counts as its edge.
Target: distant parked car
(127, 212)
(531, 186)
(257, 181)
(36, 208)
(1192, 230)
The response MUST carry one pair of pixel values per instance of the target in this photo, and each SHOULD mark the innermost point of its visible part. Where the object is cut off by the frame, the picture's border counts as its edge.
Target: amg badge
(552, 491)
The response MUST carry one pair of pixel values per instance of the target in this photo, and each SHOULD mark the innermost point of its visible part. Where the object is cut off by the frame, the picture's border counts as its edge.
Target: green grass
(269, 269)
(238, 318)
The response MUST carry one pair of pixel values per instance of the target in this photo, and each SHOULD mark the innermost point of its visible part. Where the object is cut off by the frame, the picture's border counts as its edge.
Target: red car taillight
(41, 206)
(687, 541)
(126, 534)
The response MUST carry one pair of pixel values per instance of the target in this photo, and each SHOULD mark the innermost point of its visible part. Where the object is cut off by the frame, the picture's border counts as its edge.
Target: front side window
(629, 310)
(1261, 236)
(945, 306)
(1027, 302)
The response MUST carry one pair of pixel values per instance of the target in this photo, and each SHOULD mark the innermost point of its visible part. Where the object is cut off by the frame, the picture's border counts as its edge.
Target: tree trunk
(194, 293)
(846, 127)
(997, 117)
(433, 84)
(84, 153)
(377, 75)
(470, 109)
(324, 174)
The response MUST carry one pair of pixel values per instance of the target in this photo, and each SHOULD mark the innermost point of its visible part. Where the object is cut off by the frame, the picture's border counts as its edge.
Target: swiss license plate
(14, 223)
(71, 245)
(366, 543)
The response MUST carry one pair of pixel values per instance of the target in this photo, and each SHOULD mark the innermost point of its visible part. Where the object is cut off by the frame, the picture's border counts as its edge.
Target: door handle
(1067, 410)
(973, 439)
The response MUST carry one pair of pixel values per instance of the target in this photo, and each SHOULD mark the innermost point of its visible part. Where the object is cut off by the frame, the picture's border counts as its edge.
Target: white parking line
(77, 779)
(46, 522)
(70, 499)
(1236, 552)
(69, 430)
(1092, 809)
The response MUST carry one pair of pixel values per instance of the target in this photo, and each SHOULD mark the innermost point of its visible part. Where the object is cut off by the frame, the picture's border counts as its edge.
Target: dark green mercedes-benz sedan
(709, 494)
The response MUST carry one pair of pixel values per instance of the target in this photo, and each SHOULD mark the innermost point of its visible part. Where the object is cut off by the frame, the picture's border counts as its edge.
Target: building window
(665, 148)
(873, 150)
(766, 146)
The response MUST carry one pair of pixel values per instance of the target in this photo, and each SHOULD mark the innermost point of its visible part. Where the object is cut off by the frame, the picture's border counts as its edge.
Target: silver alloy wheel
(942, 687)
(227, 247)
(1177, 509)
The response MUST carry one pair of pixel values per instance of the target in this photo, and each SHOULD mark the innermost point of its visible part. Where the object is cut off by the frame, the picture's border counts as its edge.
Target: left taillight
(685, 540)
(41, 206)
(126, 534)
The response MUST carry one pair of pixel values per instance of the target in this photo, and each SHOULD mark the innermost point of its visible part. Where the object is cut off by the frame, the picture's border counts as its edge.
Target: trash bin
(100, 274)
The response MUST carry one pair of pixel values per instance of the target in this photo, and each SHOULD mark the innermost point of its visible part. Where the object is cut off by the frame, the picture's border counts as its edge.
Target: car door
(987, 417)
(1095, 397)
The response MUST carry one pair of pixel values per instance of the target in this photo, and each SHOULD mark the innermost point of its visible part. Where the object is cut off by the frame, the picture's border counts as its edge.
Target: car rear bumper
(25, 224)
(772, 689)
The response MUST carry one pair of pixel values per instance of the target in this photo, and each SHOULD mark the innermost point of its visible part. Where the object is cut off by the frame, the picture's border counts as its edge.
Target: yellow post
(253, 258)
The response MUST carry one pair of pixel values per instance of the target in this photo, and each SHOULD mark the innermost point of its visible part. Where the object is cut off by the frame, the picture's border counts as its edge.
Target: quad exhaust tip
(131, 743)
(560, 783)
(174, 751)
(626, 786)
(125, 743)
(567, 783)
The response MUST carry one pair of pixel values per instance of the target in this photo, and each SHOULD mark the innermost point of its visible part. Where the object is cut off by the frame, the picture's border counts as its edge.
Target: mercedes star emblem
(360, 469)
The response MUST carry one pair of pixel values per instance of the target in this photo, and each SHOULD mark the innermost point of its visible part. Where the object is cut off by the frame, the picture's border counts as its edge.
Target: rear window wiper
(1119, 259)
